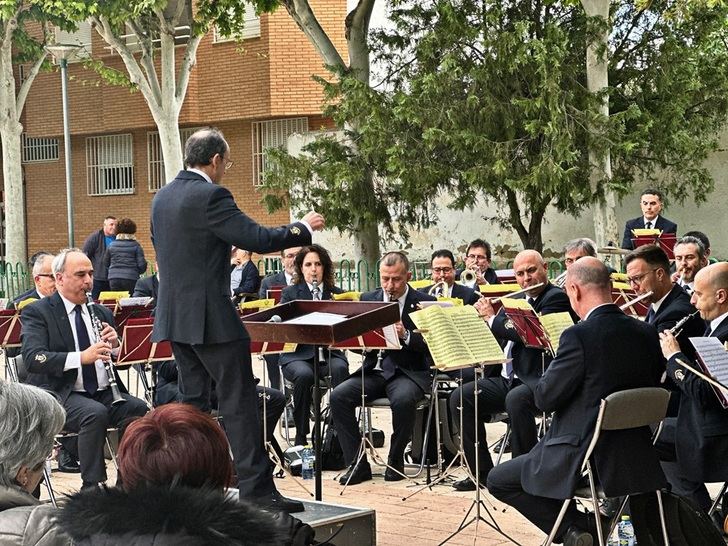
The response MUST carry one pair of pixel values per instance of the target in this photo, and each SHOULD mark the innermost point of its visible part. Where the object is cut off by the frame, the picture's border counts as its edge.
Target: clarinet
(98, 327)
(380, 354)
(677, 329)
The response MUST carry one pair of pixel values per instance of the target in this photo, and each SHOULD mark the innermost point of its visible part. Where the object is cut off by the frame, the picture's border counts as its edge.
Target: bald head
(588, 285)
(710, 292)
(715, 275)
(531, 269)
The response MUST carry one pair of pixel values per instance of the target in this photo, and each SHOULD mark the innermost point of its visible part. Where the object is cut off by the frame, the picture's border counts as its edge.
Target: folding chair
(622, 410)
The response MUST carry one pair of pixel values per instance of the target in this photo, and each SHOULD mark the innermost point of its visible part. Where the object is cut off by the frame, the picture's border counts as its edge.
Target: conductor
(194, 223)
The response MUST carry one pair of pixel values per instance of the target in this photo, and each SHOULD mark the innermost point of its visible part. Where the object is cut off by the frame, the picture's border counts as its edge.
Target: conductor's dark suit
(661, 223)
(606, 353)
(47, 339)
(405, 380)
(194, 224)
(298, 365)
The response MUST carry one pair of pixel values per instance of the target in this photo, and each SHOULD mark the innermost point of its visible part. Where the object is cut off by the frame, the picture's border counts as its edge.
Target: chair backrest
(634, 408)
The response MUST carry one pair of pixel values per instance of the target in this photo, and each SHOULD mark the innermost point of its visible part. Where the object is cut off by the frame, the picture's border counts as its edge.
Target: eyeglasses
(229, 165)
(441, 269)
(638, 278)
(289, 256)
(49, 275)
(476, 257)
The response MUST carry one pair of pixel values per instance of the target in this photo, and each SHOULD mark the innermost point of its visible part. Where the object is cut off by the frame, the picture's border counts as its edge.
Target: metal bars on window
(272, 134)
(38, 149)
(110, 165)
(155, 161)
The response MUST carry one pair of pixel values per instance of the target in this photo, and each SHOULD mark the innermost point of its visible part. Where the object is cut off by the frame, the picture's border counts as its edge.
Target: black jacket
(94, 247)
(147, 287)
(468, 295)
(277, 279)
(249, 280)
(32, 293)
(608, 352)
(125, 260)
(161, 516)
(662, 223)
(675, 307)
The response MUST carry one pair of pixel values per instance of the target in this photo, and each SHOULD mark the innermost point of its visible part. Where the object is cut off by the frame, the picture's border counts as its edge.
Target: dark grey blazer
(663, 224)
(194, 224)
(277, 279)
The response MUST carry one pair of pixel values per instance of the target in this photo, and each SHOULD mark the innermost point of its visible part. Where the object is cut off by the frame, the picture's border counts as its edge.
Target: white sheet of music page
(317, 319)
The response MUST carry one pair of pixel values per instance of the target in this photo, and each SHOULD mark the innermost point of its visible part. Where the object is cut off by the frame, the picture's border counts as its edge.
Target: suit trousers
(300, 373)
(229, 365)
(403, 394)
(495, 395)
(504, 483)
(90, 416)
(274, 371)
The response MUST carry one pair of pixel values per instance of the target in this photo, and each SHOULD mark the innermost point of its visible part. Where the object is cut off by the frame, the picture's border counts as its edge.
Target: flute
(98, 328)
(638, 299)
(517, 292)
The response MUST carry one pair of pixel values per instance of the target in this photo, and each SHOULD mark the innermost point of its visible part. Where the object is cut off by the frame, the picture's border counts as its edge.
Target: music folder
(666, 241)
(128, 308)
(9, 328)
(712, 357)
(536, 331)
(137, 346)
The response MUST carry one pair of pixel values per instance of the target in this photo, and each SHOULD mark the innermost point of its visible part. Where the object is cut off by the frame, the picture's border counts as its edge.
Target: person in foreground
(169, 494)
(30, 420)
(608, 351)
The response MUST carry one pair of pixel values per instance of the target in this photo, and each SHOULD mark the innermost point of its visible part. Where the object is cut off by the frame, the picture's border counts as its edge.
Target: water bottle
(625, 531)
(308, 460)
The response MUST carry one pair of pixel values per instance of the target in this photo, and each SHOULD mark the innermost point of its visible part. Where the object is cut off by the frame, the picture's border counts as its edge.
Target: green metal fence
(14, 280)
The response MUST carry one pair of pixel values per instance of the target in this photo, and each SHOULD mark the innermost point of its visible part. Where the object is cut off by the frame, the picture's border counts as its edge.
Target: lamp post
(62, 53)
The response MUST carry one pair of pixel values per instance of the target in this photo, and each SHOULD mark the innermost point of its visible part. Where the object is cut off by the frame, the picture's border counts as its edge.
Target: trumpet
(98, 328)
(678, 328)
(631, 302)
(560, 281)
(468, 278)
(440, 289)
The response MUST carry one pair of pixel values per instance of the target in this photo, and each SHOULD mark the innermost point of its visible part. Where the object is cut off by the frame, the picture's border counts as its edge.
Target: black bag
(687, 525)
(332, 456)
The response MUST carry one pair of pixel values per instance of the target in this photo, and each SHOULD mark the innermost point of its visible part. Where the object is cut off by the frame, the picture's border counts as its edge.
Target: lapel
(721, 332)
(538, 303)
(64, 326)
(674, 293)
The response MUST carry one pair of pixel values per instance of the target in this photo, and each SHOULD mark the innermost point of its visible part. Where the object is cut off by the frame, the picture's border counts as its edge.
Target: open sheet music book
(713, 361)
(457, 337)
(536, 331)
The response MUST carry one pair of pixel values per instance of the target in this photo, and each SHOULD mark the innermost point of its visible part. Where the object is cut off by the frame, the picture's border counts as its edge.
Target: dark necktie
(650, 315)
(648, 225)
(316, 294)
(88, 372)
(708, 331)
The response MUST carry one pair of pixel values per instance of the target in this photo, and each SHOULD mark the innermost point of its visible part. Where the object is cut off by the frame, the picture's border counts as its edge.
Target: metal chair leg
(559, 519)
(49, 487)
(502, 448)
(662, 518)
(716, 502)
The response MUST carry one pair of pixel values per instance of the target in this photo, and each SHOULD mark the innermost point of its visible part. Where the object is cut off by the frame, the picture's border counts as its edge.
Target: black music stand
(358, 317)
(9, 332)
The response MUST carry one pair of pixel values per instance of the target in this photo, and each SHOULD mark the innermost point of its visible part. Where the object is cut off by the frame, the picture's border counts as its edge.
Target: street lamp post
(62, 53)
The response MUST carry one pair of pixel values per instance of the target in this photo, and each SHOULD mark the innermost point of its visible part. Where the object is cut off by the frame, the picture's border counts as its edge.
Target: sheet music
(139, 300)
(516, 303)
(713, 357)
(317, 318)
(555, 324)
(438, 303)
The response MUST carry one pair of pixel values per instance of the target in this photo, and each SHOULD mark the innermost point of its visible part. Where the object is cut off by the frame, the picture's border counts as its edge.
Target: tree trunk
(366, 248)
(169, 139)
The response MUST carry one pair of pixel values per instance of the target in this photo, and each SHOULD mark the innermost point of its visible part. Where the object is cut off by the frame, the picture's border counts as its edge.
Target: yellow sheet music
(109, 295)
(258, 304)
(555, 324)
(516, 303)
(643, 232)
(457, 336)
(346, 296)
(454, 301)
(486, 289)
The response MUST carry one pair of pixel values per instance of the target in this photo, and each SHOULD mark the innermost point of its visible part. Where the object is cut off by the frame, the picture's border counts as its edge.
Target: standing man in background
(95, 248)
(651, 204)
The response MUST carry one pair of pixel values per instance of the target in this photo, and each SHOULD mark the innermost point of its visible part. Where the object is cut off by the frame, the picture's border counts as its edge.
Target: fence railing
(14, 280)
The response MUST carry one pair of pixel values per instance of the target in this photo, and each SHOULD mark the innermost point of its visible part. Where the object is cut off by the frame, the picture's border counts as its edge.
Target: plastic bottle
(625, 531)
(308, 460)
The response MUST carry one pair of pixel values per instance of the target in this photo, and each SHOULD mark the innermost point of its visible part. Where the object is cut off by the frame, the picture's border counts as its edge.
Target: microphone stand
(316, 435)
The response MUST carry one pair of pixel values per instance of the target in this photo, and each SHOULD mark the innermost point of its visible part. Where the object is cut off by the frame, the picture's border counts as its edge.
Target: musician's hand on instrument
(98, 351)
(315, 220)
(484, 308)
(669, 344)
(109, 335)
(479, 278)
(401, 330)
(675, 276)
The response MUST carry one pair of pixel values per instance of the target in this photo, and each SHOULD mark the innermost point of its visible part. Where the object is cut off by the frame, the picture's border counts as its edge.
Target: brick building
(257, 92)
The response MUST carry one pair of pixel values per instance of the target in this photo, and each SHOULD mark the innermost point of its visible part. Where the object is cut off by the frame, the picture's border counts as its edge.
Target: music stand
(294, 322)
(9, 332)
(666, 241)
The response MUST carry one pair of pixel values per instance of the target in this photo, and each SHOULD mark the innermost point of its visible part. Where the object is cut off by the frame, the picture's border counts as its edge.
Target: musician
(698, 438)
(578, 248)
(404, 377)
(478, 257)
(62, 357)
(703, 239)
(690, 258)
(147, 287)
(194, 223)
(512, 390)
(442, 266)
(43, 281)
(651, 203)
(313, 264)
(244, 276)
(606, 352)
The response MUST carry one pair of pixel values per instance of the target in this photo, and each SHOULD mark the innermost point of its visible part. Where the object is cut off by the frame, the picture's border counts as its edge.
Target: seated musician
(43, 280)
(244, 276)
(478, 259)
(404, 377)
(314, 280)
(512, 390)
(63, 356)
(698, 438)
(606, 352)
(690, 257)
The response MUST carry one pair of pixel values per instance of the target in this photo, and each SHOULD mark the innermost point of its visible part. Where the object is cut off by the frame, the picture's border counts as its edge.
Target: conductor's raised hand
(315, 220)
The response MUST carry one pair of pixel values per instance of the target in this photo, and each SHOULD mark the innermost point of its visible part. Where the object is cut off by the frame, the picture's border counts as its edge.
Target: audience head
(208, 151)
(588, 285)
(442, 265)
(110, 226)
(578, 248)
(478, 255)
(394, 273)
(703, 239)
(648, 269)
(175, 444)
(31, 418)
(74, 274)
(34, 257)
(710, 293)
(313, 262)
(689, 257)
(531, 269)
(651, 203)
(45, 281)
(240, 256)
(126, 226)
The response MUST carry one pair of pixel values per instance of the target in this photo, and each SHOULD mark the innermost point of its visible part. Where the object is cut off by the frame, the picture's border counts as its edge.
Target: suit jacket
(301, 292)
(468, 295)
(675, 307)
(194, 224)
(412, 359)
(147, 287)
(701, 437)
(249, 280)
(528, 363)
(662, 223)
(47, 339)
(608, 352)
(32, 293)
(277, 279)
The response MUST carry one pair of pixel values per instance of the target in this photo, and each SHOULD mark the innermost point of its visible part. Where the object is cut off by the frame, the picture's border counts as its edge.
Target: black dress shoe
(466, 484)
(67, 463)
(357, 474)
(395, 473)
(577, 537)
(275, 502)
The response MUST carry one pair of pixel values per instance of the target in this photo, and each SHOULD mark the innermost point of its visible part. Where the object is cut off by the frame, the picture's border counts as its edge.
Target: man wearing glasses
(442, 265)
(478, 258)
(45, 283)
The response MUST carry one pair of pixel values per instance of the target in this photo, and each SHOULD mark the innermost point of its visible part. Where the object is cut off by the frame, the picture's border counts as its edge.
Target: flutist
(695, 444)
(66, 355)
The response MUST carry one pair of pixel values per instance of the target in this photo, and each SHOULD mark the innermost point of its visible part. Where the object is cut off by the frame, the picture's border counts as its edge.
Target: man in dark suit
(512, 390)
(404, 379)
(195, 221)
(606, 352)
(44, 283)
(651, 203)
(478, 258)
(147, 287)
(57, 340)
(442, 266)
(697, 440)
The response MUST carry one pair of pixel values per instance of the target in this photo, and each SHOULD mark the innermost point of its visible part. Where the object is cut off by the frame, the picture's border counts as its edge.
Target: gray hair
(203, 145)
(40, 261)
(395, 257)
(690, 240)
(31, 417)
(59, 262)
(583, 244)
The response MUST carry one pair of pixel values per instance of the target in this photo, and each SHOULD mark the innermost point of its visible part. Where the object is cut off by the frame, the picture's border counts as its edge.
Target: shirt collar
(656, 305)
(594, 309)
(70, 306)
(653, 221)
(201, 173)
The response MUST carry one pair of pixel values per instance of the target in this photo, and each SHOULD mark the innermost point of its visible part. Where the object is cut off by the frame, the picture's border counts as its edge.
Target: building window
(38, 149)
(272, 134)
(155, 161)
(110, 165)
(251, 28)
(80, 37)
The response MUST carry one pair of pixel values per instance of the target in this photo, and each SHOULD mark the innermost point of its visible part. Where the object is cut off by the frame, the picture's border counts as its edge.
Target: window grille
(155, 161)
(110, 165)
(38, 149)
(272, 134)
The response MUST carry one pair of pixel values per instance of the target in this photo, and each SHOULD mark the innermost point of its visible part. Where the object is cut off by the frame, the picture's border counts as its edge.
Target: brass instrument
(98, 328)
(638, 299)
(677, 329)
(560, 281)
(517, 292)
(440, 290)
(468, 278)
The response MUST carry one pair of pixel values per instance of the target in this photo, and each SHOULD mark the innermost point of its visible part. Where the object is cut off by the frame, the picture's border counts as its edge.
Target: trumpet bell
(468, 278)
